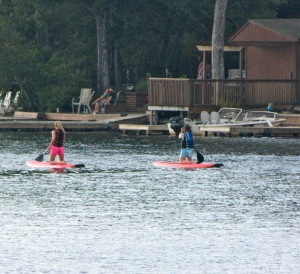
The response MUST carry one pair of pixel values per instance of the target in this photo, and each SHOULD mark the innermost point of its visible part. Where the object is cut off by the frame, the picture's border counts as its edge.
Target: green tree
(47, 70)
(289, 9)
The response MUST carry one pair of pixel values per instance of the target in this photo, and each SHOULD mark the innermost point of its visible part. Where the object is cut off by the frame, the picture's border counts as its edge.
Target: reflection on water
(122, 215)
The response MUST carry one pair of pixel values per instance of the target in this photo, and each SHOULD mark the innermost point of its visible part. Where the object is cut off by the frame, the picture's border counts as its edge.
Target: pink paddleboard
(37, 164)
(188, 165)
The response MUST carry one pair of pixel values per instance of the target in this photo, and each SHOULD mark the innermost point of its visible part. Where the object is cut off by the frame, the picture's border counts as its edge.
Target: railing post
(217, 92)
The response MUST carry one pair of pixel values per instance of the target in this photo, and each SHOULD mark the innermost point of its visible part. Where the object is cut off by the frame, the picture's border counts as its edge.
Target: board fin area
(218, 165)
(79, 165)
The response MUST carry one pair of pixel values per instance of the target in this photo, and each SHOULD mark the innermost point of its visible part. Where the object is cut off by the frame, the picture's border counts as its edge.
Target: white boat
(233, 117)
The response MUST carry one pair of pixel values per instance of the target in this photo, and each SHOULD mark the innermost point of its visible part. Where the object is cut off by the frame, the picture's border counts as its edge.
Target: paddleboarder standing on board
(57, 143)
(187, 143)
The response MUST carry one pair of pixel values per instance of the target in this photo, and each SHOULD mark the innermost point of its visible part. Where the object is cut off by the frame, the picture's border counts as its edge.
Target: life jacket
(188, 140)
(59, 138)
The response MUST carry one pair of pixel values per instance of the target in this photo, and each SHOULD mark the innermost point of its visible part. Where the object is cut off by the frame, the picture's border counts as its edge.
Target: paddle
(40, 158)
(200, 157)
(79, 165)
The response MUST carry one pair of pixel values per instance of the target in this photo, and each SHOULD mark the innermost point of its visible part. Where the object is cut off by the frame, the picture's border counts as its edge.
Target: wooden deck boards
(81, 117)
(25, 115)
(71, 122)
(147, 129)
(282, 131)
(290, 131)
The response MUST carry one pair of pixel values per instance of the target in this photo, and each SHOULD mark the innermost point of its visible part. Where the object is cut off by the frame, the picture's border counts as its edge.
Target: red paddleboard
(188, 165)
(37, 164)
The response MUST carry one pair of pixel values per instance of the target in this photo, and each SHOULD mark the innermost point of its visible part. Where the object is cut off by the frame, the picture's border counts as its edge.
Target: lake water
(122, 215)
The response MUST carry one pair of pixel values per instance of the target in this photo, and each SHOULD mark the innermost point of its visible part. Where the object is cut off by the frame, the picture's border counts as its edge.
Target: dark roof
(289, 27)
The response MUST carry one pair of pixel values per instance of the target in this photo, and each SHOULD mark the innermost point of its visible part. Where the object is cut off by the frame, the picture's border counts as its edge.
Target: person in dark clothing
(270, 107)
(187, 143)
(57, 143)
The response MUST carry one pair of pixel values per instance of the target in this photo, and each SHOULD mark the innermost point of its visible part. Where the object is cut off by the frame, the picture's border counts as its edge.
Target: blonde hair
(59, 125)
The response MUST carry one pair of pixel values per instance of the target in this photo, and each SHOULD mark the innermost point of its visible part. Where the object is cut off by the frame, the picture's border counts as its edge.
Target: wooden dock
(288, 132)
(282, 131)
(71, 122)
(134, 123)
(144, 129)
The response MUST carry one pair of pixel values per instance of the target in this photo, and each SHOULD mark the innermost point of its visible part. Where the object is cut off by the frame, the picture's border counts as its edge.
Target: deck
(282, 131)
(192, 95)
(144, 129)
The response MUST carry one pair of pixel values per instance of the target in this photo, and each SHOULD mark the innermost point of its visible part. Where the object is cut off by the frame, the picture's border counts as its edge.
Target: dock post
(151, 117)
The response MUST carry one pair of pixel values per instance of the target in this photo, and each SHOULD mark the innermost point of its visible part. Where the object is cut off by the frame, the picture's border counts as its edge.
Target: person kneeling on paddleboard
(187, 143)
(56, 144)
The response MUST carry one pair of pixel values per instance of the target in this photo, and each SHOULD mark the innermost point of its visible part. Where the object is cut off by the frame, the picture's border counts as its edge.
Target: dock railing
(170, 92)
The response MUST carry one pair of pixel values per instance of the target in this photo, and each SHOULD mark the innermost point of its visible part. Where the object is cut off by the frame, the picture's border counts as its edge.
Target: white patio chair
(214, 117)
(6, 102)
(205, 117)
(117, 97)
(85, 98)
(17, 97)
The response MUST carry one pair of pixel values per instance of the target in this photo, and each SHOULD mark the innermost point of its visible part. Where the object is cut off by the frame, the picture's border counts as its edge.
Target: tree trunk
(102, 54)
(102, 51)
(218, 39)
(30, 100)
(117, 68)
(42, 30)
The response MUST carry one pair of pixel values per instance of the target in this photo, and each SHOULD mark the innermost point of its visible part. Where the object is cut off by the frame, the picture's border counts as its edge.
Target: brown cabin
(272, 48)
(268, 71)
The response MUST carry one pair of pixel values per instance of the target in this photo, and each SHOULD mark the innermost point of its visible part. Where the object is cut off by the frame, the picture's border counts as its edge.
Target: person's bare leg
(102, 108)
(62, 159)
(96, 110)
(52, 159)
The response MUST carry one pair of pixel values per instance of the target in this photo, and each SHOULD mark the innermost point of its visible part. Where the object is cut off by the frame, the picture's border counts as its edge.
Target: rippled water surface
(122, 215)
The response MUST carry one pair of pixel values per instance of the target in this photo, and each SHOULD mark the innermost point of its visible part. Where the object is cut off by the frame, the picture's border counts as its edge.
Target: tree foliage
(51, 49)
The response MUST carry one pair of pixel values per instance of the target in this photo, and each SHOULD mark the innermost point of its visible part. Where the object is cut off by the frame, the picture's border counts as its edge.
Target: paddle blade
(40, 158)
(218, 165)
(200, 158)
(79, 165)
